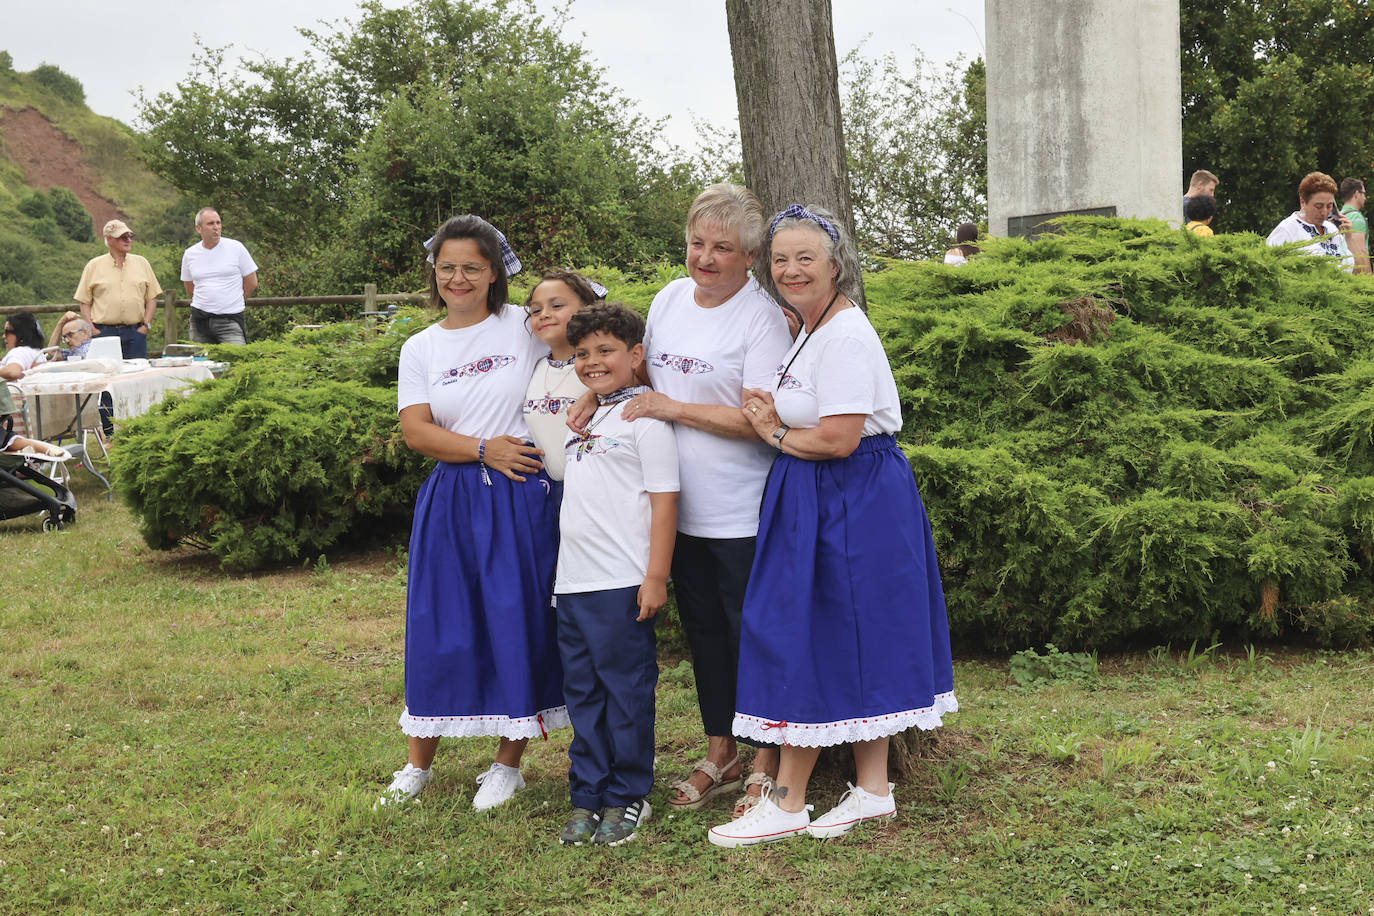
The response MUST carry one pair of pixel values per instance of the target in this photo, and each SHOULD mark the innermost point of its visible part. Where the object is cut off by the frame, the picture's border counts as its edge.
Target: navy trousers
(610, 670)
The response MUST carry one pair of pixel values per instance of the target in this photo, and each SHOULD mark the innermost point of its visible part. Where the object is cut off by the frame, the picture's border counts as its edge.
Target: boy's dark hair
(613, 318)
(1199, 208)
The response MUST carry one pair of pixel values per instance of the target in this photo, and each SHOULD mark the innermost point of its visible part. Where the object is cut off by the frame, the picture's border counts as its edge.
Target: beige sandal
(747, 802)
(695, 797)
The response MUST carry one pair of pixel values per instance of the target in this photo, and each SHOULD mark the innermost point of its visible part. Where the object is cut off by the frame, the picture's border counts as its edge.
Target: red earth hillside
(52, 159)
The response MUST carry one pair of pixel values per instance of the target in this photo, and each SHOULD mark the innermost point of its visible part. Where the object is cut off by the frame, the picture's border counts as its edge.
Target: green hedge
(297, 451)
(1125, 432)
(1122, 433)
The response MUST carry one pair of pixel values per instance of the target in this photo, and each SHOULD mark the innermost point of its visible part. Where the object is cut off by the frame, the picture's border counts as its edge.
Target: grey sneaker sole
(833, 830)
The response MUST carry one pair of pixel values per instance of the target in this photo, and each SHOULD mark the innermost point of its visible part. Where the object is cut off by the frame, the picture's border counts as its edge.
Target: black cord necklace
(806, 340)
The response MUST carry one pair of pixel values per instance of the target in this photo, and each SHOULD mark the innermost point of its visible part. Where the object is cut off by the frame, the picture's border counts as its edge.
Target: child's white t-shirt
(473, 378)
(843, 370)
(708, 356)
(605, 519)
(552, 390)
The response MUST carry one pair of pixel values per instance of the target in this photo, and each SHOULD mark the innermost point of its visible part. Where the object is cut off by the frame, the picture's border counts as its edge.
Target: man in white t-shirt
(219, 275)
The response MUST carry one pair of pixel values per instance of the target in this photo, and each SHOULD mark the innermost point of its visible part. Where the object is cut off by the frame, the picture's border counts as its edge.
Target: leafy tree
(6, 62)
(61, 84)
(72, 217)
(341, 164)
(1273, 89)
(36, 206)
(16, 260)
(917, 151)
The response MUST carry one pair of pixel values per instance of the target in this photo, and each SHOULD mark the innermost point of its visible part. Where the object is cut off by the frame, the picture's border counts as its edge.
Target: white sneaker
(763, 823)
(498, 784)
(405, 785)
(855, 807)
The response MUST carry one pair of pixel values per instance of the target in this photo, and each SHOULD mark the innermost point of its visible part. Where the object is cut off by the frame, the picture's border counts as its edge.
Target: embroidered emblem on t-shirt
(789, 382)
(590, 446)
(476, 367)
(687, 365)
(548, 405)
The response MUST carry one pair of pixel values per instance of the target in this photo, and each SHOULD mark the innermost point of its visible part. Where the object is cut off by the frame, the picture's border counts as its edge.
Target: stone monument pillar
(1084, 110)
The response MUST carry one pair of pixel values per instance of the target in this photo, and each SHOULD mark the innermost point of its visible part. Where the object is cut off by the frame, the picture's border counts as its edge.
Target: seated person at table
(23, 345)
(74, 332)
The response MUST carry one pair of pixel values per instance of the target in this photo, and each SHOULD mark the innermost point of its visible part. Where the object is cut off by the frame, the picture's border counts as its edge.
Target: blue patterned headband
(797, 211)
(513, 265)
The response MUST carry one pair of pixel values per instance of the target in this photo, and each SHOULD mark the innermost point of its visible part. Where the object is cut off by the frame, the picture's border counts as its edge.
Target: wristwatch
(778, 434)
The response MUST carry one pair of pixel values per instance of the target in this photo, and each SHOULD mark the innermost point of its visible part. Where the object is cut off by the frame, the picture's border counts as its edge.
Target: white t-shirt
(218, 275)
(843, 370)
(474, 378)
(551, 392)
(1296, 229)
(707, 356)
(25, 357)
(954, 259)
(605, 519)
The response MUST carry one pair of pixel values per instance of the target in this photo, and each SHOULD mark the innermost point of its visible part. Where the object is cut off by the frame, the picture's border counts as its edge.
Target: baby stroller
(24, 489)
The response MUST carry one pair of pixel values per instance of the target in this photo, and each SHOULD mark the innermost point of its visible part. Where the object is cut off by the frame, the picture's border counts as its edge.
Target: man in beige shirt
(118, 292)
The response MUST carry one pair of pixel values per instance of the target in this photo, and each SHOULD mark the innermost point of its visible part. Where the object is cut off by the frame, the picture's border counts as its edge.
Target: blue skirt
(481, 646)
(845, 636)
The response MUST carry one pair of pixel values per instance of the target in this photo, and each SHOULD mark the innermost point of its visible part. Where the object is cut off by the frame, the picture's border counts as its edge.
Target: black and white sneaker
(619, 825)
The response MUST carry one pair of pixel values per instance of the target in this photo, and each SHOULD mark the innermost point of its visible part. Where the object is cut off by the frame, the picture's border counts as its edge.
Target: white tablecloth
(54, 397)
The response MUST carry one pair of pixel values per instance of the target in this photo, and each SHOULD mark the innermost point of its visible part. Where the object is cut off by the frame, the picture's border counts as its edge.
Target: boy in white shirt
(618, 524)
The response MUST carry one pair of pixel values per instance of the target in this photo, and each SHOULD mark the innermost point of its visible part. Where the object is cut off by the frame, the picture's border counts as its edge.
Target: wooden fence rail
(369, 300)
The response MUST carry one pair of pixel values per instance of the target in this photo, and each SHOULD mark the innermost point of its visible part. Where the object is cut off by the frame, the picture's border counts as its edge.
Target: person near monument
(1352, 207)
(964, 247)
(1202, 184)
(1316, 220)
(219, 274)
(118, 292)
(1199, 212)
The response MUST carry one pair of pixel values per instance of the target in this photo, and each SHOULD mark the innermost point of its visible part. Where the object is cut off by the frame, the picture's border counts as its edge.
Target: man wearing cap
(118, 292)
(219, 275)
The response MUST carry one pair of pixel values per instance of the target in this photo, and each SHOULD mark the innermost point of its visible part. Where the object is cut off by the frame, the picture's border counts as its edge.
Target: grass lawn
(180, 740)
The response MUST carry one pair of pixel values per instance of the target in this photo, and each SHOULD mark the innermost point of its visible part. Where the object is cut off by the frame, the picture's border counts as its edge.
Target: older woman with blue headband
(845, 638)
(481, 649)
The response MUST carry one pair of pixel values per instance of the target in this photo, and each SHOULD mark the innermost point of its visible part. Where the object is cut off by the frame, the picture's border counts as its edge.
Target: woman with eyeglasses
(481, 650)
(23, 345)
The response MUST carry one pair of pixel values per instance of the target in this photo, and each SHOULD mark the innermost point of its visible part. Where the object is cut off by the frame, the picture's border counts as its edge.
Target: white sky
(671, 57)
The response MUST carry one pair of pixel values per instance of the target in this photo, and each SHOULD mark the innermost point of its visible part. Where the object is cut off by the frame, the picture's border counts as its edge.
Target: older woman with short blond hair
(710, 335)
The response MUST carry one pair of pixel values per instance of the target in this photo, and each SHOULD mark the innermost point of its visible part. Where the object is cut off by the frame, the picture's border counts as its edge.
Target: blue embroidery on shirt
(476, 367)
(687, 365)
(548, 405)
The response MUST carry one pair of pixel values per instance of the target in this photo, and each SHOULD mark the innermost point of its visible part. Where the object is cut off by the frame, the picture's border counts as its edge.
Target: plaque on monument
(1031, 226)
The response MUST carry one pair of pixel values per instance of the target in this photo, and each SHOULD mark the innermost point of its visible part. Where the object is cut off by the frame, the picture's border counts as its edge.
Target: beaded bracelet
(482, 460)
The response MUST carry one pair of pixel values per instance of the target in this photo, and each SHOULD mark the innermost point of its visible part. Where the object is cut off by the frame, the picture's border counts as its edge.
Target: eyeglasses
(71, 335)
(469, 271)
(10, 331)
(126, 237)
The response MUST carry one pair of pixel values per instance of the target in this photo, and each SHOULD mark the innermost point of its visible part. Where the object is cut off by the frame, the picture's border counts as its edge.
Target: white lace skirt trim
(483, 726)
(825, 734)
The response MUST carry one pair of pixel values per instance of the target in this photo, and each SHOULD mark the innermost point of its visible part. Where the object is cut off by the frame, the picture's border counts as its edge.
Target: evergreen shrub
(1125, 432)
(296, 451)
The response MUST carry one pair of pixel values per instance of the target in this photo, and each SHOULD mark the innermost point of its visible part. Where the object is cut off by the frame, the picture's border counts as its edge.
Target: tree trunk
(787, 86)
